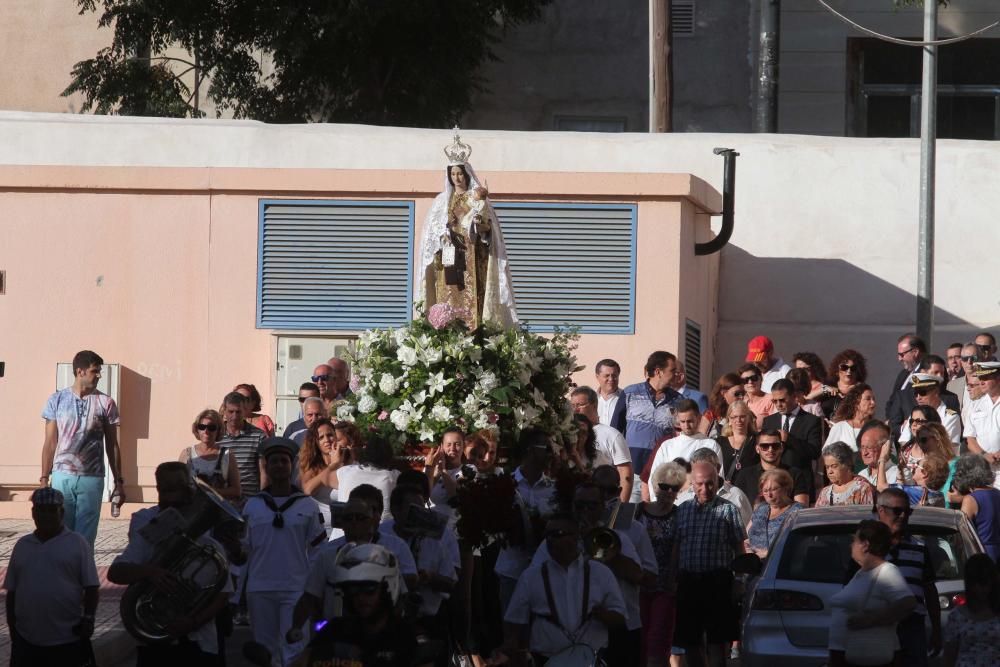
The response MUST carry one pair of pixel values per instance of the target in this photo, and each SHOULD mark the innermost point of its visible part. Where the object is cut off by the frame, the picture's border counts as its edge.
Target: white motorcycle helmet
(368, 562)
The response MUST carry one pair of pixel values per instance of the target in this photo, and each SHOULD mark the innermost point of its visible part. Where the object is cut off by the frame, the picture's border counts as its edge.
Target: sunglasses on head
(668, 488)
(898, 511)
(768, 446)
(320, 378)
(847, 368)
(211, 428)
(750, 378)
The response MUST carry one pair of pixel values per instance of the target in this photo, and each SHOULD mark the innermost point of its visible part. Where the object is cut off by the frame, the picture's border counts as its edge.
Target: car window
(823, 553)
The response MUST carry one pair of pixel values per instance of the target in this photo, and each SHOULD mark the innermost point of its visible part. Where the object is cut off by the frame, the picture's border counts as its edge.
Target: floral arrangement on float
(414, 382)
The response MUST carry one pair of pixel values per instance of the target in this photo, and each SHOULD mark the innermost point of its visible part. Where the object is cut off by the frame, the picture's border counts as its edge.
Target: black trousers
(23, 654)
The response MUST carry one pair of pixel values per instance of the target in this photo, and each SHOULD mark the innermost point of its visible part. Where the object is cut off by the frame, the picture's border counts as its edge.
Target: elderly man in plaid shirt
(709, 534)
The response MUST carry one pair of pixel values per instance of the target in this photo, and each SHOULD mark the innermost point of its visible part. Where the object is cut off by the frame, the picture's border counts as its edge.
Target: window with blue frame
(334, 265)
(572, 264)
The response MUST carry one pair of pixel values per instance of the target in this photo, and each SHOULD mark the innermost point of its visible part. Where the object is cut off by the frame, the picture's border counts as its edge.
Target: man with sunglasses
(332, 380)
(910, 349)
(968, 356)
(987, 344)
(909, 553)
(306, 390)
(927, 390)
(770, 449)
(564, 598)
(284, 529)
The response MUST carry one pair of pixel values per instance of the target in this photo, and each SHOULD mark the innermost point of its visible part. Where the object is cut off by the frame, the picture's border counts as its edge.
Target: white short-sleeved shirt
(351, 476)
(984, 423)
(682, 446)
(48, 579)
(431, 556)
(777, 371)
(612, 449)
(630, 592)
(891, 474)
(140, 551)
(844, 432)
(278, 559)
(868, 590)
(529, 604)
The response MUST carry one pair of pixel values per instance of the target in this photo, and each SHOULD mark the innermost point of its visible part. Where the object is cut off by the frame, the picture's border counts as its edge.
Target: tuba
(602, 543)
(201, 569)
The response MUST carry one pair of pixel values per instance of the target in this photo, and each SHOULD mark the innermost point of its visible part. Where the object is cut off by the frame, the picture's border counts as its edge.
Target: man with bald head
(710, 534)
(332, 380)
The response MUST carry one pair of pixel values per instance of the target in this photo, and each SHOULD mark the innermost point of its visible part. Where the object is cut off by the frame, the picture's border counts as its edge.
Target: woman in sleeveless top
(974, 479)
(317, 464)
(738, 441)
(207, 462)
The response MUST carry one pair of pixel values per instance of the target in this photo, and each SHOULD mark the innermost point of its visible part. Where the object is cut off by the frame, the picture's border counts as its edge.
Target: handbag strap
(554, 613)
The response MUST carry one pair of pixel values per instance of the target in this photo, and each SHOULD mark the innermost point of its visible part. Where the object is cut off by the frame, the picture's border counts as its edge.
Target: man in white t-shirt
(682, 446)
(195, 642)
(760, 353)
(284, 530)
(52, 589)
(586, 598)
(612, 449)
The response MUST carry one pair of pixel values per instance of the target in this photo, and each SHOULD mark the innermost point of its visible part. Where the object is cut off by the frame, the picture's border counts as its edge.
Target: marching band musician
(284, 531)
(196, 640)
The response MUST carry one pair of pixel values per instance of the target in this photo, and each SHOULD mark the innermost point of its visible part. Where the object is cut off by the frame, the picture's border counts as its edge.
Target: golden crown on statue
(458, 152)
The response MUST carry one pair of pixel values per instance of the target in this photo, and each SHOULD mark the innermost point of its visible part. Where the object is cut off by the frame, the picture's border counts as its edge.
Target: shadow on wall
(821, 306)
(135, 394)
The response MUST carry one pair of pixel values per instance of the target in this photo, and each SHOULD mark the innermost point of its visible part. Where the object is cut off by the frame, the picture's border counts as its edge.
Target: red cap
(758, 349)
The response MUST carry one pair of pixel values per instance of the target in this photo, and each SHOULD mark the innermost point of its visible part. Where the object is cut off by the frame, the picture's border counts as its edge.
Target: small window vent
(682, 17)
(692, 353)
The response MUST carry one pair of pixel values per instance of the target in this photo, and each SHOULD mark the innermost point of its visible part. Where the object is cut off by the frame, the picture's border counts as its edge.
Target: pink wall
(155, 269)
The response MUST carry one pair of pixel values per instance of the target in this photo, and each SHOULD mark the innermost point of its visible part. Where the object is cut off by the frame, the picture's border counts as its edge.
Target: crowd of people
(347, 553)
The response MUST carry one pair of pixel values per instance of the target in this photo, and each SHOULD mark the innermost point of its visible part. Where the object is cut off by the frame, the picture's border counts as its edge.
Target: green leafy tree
(388, 62)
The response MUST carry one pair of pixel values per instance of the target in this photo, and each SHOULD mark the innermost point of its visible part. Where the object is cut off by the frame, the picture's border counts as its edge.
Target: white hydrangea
(441, 412)
(367, 404)
(346, 412)
(401, 336)
(400, 419)
(470, 403)
(488, 381)
(387, 384)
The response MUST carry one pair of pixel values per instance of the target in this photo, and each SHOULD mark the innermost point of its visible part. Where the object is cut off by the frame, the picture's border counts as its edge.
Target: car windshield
(823, 553)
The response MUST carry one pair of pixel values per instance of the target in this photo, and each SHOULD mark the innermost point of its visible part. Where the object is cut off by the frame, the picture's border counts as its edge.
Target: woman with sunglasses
(856, 408)
(847, 370)
(658, 597)
(207, 461)
(738, 441)
(757, 400)
(932, 441)
(776, 489)
(727, 389)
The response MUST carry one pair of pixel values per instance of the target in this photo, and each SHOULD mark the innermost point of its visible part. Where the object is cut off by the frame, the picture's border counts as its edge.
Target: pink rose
(382, 416)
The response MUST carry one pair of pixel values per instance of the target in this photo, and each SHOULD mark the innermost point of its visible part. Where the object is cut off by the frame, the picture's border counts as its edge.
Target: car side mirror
(747, 564)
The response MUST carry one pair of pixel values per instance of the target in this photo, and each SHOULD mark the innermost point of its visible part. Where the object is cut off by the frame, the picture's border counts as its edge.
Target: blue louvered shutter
(339, 265)
(572, 264)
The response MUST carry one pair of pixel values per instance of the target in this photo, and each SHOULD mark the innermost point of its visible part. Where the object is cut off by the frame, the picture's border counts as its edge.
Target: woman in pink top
(758, 402)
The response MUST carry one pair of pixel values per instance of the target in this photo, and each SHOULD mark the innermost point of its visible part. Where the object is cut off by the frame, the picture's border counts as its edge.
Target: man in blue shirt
(644, 413)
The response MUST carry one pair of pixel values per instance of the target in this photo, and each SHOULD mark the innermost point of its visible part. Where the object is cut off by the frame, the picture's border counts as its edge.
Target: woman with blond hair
(207, 461)
(658, 597)
(776, 490)
(727, 389)
(738, 440)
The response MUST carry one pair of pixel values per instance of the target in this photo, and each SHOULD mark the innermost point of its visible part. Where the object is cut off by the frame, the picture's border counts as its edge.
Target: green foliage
(413, 63)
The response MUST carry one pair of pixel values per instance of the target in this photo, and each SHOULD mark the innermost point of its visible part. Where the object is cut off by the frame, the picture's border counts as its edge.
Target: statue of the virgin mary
(463, 259)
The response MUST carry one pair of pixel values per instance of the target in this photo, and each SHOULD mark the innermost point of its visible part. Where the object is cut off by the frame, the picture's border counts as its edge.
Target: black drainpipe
(728, 199)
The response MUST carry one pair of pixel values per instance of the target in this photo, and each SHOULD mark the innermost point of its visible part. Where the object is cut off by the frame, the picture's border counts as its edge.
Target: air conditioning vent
(692, 353)
(682, 17)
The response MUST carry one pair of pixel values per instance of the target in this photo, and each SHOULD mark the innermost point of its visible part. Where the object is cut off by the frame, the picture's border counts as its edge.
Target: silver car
(786, 614)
